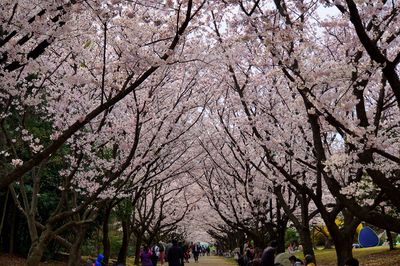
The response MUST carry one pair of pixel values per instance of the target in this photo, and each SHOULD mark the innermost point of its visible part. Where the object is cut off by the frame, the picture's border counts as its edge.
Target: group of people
(176, 255)
(308, 260)
(253, 257)
(150, 256)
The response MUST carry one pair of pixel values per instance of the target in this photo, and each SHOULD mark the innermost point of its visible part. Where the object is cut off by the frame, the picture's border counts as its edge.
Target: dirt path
(209, 261)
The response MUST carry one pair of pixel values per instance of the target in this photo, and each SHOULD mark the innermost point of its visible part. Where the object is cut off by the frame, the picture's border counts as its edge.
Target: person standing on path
(268, 256)
(186, 252)
(196, 251)
(162, 253)
(175, 255)
(145, 257)
(155, 250)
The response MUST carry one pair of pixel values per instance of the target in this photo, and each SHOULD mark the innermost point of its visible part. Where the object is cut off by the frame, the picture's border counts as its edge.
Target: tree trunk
(123, 251)
(4, 211)
(36, 251)
(106, 239)
(137, 249)
(12, 229)
(344, 249)
(306, 242)
(390, 239)
(343, 237)
(259, 241)
(75, 251)
(281, 228)
(98, 240)
(33, 232)
(280, 237)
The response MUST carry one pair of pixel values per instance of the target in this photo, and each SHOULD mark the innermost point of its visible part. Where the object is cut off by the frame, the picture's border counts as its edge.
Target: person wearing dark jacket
(196, 249)
(268, 255)
(175, 255)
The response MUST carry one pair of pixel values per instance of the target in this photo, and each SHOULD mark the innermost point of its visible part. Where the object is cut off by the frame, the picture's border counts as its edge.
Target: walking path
(209, 261)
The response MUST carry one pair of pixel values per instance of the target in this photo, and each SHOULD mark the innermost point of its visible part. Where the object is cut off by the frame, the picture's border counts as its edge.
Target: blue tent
(367, 237)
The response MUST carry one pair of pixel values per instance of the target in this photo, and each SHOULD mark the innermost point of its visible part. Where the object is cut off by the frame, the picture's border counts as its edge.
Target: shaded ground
(210, 261)
(377, 256)
(383, 258)
(11, 260)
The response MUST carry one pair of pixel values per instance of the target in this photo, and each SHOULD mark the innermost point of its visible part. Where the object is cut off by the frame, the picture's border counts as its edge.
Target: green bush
(291, 236)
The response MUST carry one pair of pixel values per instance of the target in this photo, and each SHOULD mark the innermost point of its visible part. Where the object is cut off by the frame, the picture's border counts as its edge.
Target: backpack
(156, 251)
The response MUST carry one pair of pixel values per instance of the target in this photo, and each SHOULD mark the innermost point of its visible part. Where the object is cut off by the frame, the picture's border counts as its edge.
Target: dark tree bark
(123, 251)
(280, 237)
(106, 238)
(305, 240)
(137, 249)
(12, 230)
(343, 247)
(75, 251)
(390, 239)
(37, 249)
(342, 237)
(281, 224)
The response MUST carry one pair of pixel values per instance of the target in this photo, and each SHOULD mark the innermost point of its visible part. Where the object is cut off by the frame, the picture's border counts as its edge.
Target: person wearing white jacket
(155, 250)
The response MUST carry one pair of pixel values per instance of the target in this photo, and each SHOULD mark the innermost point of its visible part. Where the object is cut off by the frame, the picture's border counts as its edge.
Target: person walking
(268, 255)
(145, 256)
(196, 251)
(186, 252)
(162, 253)
(155, 254)
(175, 255)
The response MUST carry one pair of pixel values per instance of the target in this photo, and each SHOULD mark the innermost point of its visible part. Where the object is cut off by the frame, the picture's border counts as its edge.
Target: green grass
(367, 256)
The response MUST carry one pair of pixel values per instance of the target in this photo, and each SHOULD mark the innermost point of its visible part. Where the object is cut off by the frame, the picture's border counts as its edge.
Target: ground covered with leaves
(11, 260)
(375, 256)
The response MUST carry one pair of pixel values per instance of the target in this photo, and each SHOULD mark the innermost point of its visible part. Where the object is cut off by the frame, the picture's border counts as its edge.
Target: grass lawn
(374, 256)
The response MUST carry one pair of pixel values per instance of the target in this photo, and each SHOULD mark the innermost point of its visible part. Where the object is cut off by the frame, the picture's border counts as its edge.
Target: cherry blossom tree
(101, 55)
(160, 210)
(259, 86)
(240, 195)
(99, 63)
(374, 97)
(377, 28)
(299, 113)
